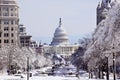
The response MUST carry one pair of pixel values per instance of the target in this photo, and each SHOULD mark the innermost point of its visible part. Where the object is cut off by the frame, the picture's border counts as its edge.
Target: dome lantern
(60, 23)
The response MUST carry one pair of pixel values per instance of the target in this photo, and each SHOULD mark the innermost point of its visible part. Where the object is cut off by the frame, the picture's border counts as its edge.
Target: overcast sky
(41, 17)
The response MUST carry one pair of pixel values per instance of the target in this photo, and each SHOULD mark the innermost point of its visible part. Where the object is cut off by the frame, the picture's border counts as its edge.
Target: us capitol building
(60, 43)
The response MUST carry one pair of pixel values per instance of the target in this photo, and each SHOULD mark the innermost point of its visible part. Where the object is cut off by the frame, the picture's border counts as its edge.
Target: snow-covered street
(47, 78)
(38, 78)
(36, 75)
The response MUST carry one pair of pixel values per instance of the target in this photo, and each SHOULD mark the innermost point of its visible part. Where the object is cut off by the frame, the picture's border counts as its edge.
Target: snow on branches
(105, 37)
(13, 55)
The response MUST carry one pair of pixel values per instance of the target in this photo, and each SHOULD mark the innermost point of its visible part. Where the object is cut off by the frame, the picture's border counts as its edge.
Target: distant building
(25, 40)
(39, 48)
(9, 21)
(33, 44)
(60, 36)
(103, 8)
(60, 43)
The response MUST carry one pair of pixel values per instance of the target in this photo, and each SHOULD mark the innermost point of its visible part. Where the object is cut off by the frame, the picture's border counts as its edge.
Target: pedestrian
(8, 71)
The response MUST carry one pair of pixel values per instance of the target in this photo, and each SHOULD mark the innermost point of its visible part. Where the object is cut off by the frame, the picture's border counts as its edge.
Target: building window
(12, 14)
(12, 21)
(5, 14)
(12, 29)
(5, 9)
(5, 2)
(22, 41)
(12, 35)
(0, 41)
(12, 41)
(6, 34)
(0, 34)
(6, 41)
(21, 29)
(6, 28)
(12, 9)
(6, 22)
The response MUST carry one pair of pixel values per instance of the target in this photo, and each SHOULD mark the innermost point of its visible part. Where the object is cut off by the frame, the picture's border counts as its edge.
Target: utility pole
(28, 68)
(107, 69)
(114, 67)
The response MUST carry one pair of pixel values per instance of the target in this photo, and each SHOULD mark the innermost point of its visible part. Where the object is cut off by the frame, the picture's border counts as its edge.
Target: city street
(60, 73)
(46, 78)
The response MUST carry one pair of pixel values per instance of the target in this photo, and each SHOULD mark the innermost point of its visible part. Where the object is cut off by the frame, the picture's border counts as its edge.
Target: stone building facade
(25, 39)
(103, 9)
(9, 21)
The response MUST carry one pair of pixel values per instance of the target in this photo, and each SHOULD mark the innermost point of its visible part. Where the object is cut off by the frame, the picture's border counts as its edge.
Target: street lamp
(114, 65)
(107, 57)
(27, 68)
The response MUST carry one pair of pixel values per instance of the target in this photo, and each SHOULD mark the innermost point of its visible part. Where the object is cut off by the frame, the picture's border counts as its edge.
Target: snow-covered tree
(77, 57)
(13, 55)
(105, 40)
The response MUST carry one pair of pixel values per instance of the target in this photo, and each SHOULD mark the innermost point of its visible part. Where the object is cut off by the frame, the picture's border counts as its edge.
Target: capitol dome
(60, 36)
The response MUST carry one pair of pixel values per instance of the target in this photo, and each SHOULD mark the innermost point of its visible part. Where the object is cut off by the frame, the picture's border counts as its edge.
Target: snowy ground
(4, 76)
(42, 78)
(46, 78)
